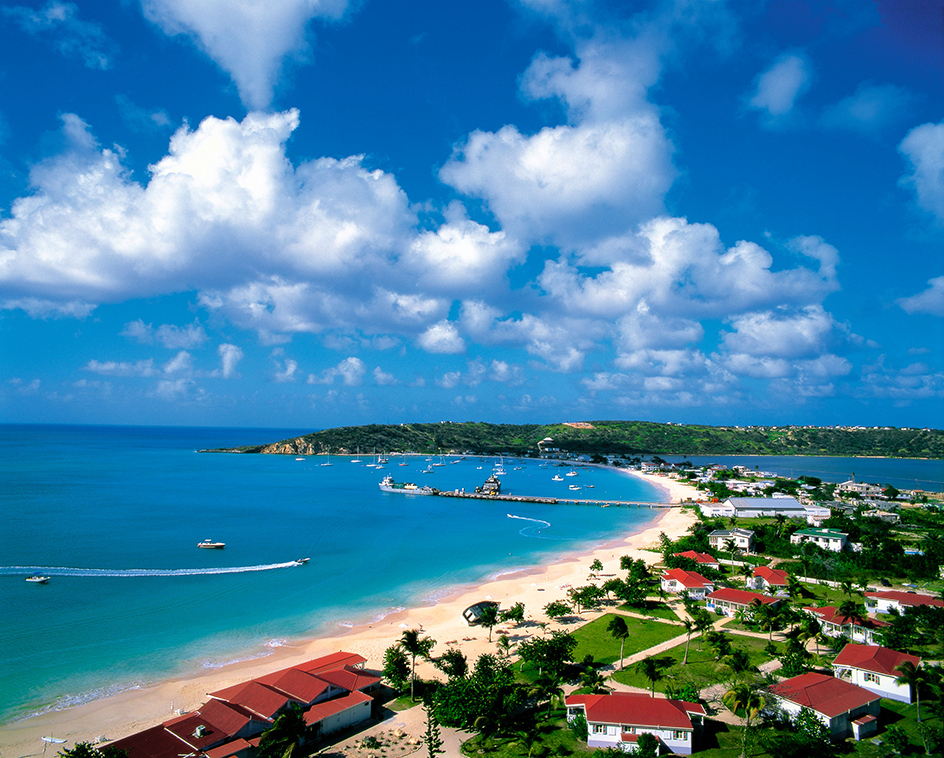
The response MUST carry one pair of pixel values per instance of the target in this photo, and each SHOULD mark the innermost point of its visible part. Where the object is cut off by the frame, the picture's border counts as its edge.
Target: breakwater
(553, 500)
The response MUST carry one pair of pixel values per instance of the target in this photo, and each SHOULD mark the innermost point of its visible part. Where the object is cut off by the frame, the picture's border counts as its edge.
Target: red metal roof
(824, 694)
(349, 678)
(874, 658)
(321, 711)
(741, 597)
(907, 598)
(775, 577)
(333, 661)
(255, 696)
(634, 709)
(698, 557)
(299, 684)
(155, 742)
(687, 579)
(229, 749)
(830, 614)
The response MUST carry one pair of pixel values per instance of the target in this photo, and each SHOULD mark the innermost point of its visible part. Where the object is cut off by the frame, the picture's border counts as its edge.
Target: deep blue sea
(114, 514)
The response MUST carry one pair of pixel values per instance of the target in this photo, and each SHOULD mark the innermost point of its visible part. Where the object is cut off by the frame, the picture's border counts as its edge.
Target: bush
(579, 727)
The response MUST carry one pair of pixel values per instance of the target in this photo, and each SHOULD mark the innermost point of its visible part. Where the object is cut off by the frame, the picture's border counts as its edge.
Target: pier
(554, 500)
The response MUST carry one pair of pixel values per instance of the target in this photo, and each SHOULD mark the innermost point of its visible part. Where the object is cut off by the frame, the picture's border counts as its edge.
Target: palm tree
(649, 668)
(547, 687)
(689, 628)
(286, 734)
(914, 677)
(415, 645)
(617, 627)
(745, 697)
(703, 624)
(488, 617)
(731, 546)
(738, 660)
(854, 614)
(767, 616)
(593, 680)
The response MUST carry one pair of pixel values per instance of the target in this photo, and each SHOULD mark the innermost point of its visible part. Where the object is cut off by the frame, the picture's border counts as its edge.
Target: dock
(554, 500)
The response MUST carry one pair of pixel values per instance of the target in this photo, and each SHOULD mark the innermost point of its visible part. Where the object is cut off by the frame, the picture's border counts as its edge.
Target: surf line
(96, 572)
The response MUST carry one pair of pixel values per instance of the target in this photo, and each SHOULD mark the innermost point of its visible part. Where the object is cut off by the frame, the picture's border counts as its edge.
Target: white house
(766, 507)
(769, 580)
(616, 720)
(886, 600)
(679, 580)
(835, 624)
(729, 601)
(743, 539)
(704, 560)
(828, 539)
(848, 710)
(874, 668)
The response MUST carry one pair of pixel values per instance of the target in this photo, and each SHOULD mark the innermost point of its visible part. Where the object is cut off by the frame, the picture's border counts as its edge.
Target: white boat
(37, 579)
(572, 472)
(299, 458)
(301, 561)
(404, 488)
(211, 545)
(557, 478)
(428, 470)
(573, 487)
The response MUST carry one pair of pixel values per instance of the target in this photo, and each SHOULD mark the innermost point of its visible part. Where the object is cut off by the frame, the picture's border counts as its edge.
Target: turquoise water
(113, 514)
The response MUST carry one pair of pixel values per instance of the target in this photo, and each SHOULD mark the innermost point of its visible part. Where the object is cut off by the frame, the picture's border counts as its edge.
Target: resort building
(704, 560)
(616, 720)
(770, 580)
(729, 601)
(743, 539)
(678, 580)
(875, 668)
(886, 600)
(867, 630)
(852, 487)
(766, 507)
(848, 710)
(828, 539)
(332, 690)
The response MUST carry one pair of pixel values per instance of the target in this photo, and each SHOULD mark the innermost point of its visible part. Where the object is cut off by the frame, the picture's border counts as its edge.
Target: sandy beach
(117, 716)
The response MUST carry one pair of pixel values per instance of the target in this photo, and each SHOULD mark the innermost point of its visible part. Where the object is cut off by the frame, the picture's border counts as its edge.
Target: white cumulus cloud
(923, 146)
(779, 87)
(930, 301)
(442, 337)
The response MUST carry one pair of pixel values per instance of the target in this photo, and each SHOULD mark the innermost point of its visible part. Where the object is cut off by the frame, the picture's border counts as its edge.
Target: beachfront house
(875, 668)
(766, 579)
(834, 624)
(616, 720)
(678, 580)
(847, 710)
(828, 539)
(885, 601)
(743, 539)
(703, 560)
(729, 601)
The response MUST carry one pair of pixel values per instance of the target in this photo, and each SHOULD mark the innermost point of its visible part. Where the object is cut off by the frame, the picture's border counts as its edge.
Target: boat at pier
(404, 488)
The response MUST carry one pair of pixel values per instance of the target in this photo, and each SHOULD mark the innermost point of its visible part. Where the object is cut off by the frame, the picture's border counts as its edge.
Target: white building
(834, 624)
(828, 539)
(888, 600)
(766, 507)
(743, 539)
(848, 710)
(679, 580)
(874, 668)
(616, 720)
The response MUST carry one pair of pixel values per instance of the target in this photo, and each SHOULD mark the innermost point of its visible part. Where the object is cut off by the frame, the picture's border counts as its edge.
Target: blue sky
(313, 213)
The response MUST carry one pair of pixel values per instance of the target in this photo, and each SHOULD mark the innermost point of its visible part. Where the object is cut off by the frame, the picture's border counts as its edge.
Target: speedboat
(37, 579)
(210, 544)
(301, 561)
(557, 478)
(572, 472)
(574, 487)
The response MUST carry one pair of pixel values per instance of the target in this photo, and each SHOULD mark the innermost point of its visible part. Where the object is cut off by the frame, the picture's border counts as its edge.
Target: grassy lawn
(553, 738)
(651, 608)
(593, 638)
(701, 670)
(903, 715)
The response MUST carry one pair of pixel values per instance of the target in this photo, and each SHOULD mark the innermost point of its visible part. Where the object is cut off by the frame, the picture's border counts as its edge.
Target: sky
(315, 213)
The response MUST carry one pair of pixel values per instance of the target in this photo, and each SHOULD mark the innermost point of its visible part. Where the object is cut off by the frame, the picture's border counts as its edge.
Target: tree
(896, 738)
(548, 653)
(396, 669)
(744, 697)
(596, 567)
(88, 750)
(415, 644)
(689, 628)
(594, 681)
(813, 732)
(618, 629)
(738, 661)
(547, 687)
(914, 677)
(626, 562)
(647, 746)
(287, 733)
(453, 663)
(650, 668)
(703, 623)
(556, 609)
(489, 618)
(515, 613)
(766, 616)
(579, 727)
(432, 738)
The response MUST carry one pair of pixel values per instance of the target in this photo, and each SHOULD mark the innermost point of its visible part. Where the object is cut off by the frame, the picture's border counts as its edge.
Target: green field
(594, 639)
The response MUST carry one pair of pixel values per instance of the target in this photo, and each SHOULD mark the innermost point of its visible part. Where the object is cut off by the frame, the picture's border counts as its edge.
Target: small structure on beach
(473, 613)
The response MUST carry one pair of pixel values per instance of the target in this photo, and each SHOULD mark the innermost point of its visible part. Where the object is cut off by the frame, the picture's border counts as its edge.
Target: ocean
(114, 514)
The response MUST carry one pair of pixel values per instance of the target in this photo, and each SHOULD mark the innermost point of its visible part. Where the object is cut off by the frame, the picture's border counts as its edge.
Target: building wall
(611, 738)
(840, 727)
(880, 684)
(346, 718)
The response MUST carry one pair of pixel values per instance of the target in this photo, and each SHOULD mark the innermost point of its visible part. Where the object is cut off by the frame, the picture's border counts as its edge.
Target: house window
(599, 728)
(681, 736)
(869, 677)
(628, 729)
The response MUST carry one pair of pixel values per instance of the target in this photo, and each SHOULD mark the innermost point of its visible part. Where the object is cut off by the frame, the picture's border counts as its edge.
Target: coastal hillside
(612, 437)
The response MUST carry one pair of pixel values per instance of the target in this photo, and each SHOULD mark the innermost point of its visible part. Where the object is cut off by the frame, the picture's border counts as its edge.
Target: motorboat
(574, 487)
(211, 545)
(38, 579)
(404, 488)
(299, 458)
(557, 478)
(301, 561)
(572, 472)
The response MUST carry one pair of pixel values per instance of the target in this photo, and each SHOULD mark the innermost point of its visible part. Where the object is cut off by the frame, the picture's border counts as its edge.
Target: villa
(887, 600)
(743, 539)
(729, 601)
(616, 720)
(848, 710)
(704, 560)
(332, 691)
(828, 539)
(678, 580)
(875, 668)
(866, 630)
(770, 580)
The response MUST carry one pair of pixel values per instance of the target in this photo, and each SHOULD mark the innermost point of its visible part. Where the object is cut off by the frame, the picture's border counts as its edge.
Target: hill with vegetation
(612, 437)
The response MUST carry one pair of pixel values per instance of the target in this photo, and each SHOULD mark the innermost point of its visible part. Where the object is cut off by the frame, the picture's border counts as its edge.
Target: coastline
(118, 715)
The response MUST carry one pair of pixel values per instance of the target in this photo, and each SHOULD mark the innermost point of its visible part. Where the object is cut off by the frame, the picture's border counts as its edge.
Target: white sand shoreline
(134, 709)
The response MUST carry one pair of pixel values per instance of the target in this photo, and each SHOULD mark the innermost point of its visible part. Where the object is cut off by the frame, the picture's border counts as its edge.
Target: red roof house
(702, 559)
(679, 580)
(729, 601)
(836, 702)
(766, 578)
(886, 600)
(620, 718)
(835, 624)
(875, 668)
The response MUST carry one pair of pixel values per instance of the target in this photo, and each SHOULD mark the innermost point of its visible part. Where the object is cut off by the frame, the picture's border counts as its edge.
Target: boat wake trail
(531, 531)
(96, 572)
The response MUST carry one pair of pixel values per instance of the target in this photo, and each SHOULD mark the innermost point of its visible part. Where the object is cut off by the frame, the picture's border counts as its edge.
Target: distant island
(629, 438)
